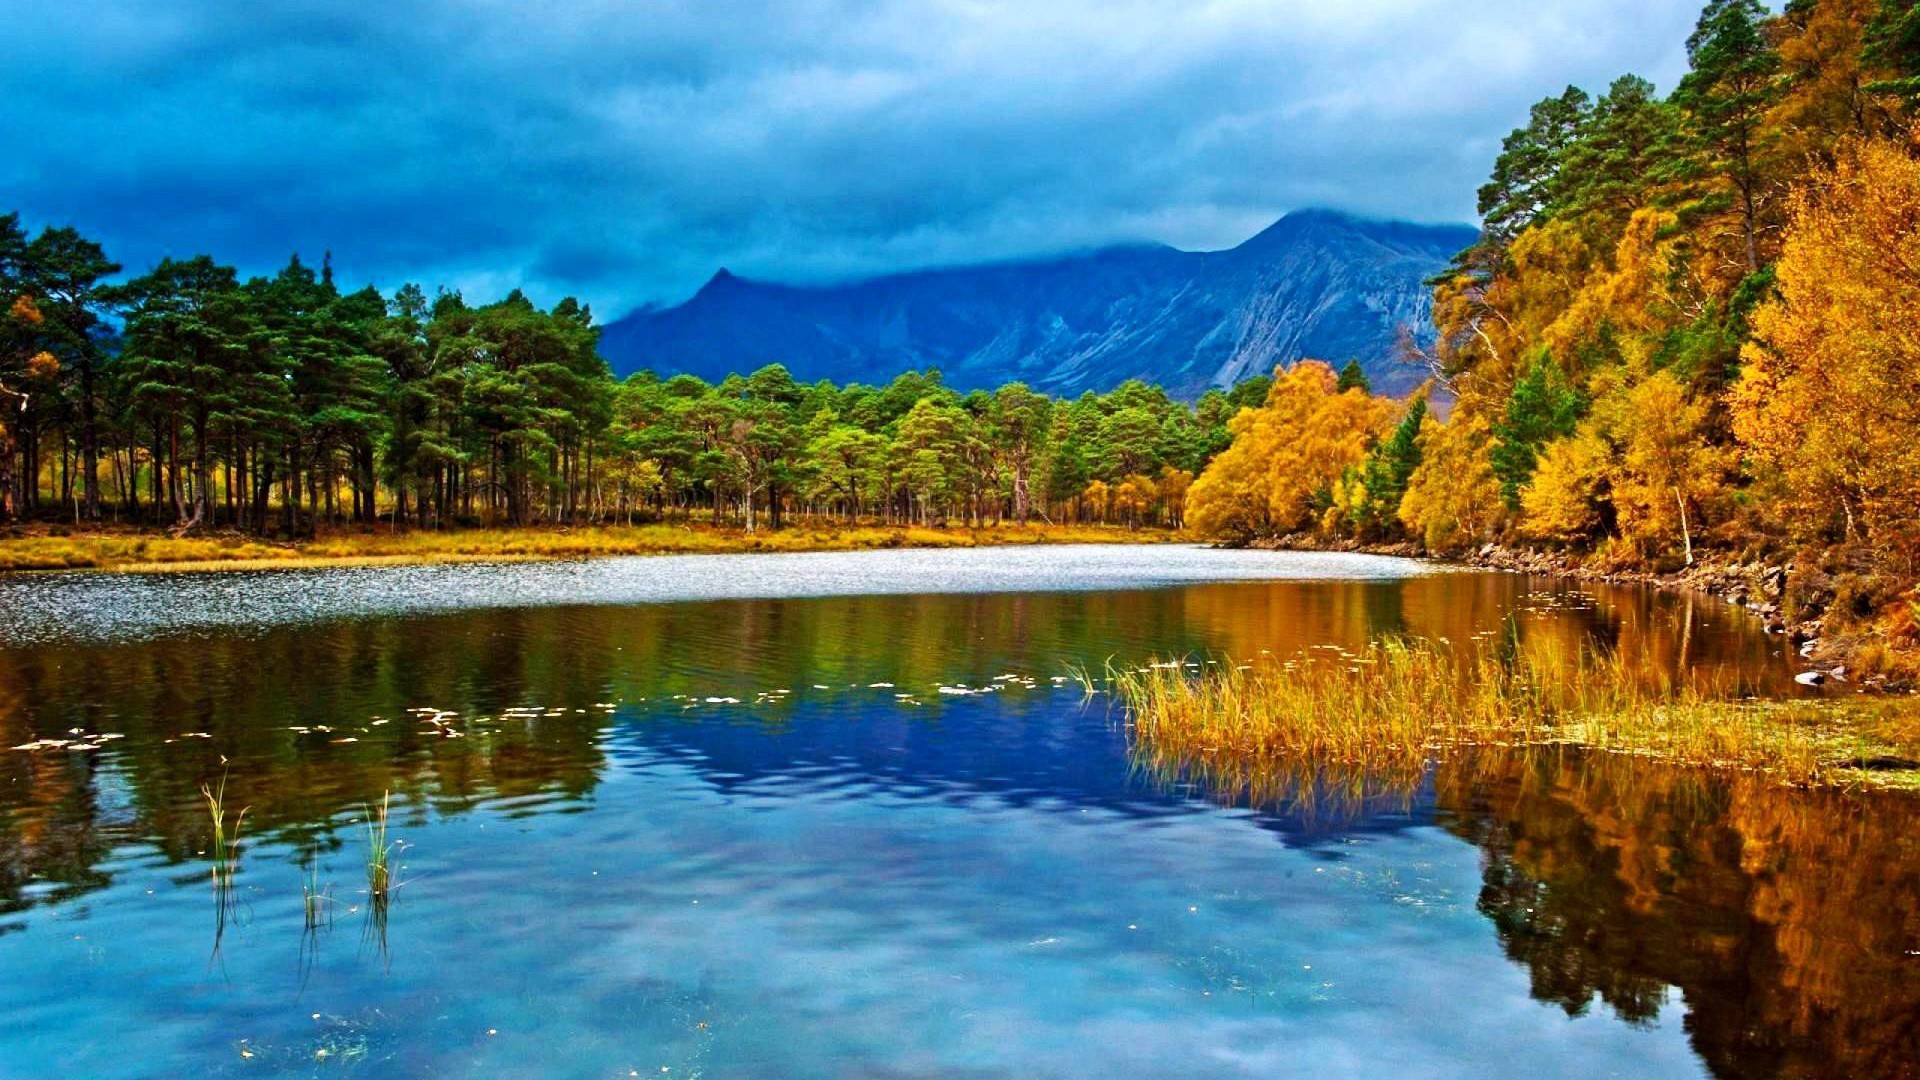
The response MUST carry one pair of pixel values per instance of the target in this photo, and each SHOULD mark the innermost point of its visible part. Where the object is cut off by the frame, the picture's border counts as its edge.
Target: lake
(846, 815)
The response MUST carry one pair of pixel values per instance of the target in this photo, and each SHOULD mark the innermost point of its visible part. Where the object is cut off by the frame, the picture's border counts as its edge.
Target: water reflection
(311, 722)
(533, 754)
(1789, 923)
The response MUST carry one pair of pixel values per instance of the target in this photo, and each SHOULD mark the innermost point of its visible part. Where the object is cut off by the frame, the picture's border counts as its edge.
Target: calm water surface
(838, 816)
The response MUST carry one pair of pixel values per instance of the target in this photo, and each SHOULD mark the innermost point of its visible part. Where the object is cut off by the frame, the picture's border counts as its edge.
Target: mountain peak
(1319, 282)
(722, 280)
(1326, 222)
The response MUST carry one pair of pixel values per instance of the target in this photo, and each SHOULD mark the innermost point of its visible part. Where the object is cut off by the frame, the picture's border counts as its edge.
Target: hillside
(1316, 284)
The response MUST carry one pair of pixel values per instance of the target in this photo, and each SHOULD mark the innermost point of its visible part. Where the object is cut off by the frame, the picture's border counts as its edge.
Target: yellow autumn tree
(1627, 299)
(1489, 324)
(1453, 497)
(1829, 396)
(1133, 497)
(1828, 71)
(1565, 500)
(1171, 493)
(1098, 498)
(1283, 453)
(1668, 467)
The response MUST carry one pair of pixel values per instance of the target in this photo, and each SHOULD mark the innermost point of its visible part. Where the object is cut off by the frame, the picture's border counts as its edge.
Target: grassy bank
(1399, 703)
(137, 551)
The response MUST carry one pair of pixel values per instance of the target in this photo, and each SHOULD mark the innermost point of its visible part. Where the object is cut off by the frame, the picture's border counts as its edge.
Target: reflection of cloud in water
(830, 881)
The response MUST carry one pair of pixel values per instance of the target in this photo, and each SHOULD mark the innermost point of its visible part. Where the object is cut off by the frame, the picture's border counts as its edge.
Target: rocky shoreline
(1760, 586)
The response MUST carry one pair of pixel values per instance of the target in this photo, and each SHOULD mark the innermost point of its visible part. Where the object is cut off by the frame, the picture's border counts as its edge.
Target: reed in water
(1402, 702)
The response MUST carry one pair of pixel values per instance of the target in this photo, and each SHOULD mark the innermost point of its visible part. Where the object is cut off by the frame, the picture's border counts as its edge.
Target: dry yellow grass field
(135, 551)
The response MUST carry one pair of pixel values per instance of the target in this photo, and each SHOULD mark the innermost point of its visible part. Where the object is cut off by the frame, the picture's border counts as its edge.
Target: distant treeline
(189, 397)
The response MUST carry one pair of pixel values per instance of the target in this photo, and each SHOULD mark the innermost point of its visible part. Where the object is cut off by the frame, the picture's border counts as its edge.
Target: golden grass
(1388, 710)
(136, 551)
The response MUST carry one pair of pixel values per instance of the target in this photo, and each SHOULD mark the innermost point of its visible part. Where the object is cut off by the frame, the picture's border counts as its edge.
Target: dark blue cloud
(622, 149)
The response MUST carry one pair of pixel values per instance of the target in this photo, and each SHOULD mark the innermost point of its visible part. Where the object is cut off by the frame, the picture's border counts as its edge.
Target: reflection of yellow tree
(1783, 917)
(1660, 638)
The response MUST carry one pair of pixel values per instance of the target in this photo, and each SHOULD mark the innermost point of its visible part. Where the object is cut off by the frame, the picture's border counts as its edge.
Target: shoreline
(1758, 586)
(47, 550)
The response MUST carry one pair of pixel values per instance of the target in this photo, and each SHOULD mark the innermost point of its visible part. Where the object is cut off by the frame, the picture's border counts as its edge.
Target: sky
(623, 150)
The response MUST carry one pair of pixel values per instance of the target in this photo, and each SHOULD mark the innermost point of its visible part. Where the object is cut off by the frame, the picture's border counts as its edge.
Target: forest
(189, 398)
(1689, 324)
(1687, 327)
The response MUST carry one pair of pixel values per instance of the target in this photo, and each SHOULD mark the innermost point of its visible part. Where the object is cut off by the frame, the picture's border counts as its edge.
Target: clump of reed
(380, 879)
(225, 850)
(316, 900)
(380, 883)
(1399, 703)
(224, 853)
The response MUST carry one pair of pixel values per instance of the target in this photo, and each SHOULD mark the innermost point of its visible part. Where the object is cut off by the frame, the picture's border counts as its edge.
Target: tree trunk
(1686, 532)
(89, 440)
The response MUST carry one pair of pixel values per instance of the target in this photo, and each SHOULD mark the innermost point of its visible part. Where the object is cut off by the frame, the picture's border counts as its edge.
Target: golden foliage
(1827, 73)
(1283, 453)
(1564, 500)
(1453, 497)
(1668, 464)
(1830, 394)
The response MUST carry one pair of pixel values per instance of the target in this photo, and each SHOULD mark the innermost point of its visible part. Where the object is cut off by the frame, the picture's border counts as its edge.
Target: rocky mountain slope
(1315, 284)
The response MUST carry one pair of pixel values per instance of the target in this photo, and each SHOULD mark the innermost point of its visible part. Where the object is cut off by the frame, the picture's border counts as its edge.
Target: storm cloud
(621, 150)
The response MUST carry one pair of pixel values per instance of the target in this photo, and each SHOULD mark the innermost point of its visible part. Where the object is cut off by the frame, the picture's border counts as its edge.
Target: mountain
(1316, 283)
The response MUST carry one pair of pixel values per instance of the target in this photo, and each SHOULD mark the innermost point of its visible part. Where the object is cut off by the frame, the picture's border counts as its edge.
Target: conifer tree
(1726, 95)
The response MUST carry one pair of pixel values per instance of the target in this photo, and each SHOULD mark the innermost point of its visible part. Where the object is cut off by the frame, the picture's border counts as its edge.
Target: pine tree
(1353, 377)
(1521, 189)
(1726, 96)
(1604, 173)
(1382, 480)
(1542, 407)
(1893, 42)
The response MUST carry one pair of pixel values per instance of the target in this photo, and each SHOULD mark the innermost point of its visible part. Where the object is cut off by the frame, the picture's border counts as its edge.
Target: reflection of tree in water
(56, 839)
(288, 714)
(1784, 918)
(1659, 635)
(1781, 916)
(1787, 921)
(191, 710)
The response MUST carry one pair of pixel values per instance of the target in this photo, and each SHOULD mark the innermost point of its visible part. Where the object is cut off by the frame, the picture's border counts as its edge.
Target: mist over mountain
(1316, 283)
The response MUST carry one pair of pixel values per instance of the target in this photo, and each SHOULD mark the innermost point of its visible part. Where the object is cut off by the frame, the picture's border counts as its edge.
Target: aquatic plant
(380, 883)
(1400, 703)
(316, 900)
(1084, 677)
(225, 850)
(380, 880)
